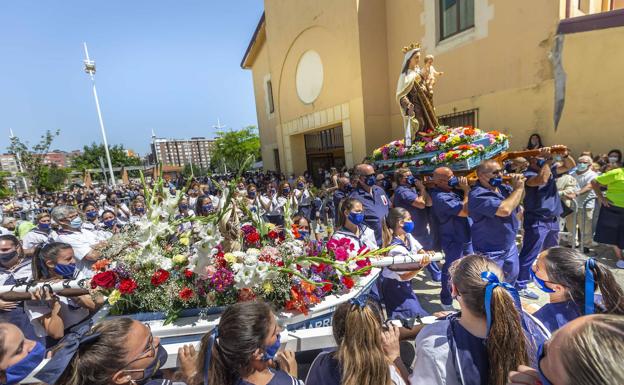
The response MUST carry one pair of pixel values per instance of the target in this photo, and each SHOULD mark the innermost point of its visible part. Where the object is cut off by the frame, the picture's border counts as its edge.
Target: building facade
(180, 152)
(325, 73)
(8, 162)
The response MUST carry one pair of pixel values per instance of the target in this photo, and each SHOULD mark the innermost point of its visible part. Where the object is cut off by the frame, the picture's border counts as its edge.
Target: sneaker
(526, 293)
(620, 264)
(447, 307)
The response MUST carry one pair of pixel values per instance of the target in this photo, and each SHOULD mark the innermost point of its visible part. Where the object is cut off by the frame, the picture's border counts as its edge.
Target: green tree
(32, 159)
(4, 190)
(90, 157)
(232, 148)
(197, 171)
(52, 178)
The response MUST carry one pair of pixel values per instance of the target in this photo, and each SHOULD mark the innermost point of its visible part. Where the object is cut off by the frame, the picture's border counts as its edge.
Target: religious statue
(415, 98)
(430, 74)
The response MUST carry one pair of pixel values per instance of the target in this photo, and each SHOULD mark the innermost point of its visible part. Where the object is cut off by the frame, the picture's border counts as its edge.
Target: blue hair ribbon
(359, 301)
(494, 282)
(589, 286)
(78, 336)
(214, 334)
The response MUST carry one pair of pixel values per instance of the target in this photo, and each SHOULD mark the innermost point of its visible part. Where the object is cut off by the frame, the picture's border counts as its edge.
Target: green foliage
(32, 159)
(90, 157)
(232, 148)
(4, 191)
(197, 171)
(52, 177)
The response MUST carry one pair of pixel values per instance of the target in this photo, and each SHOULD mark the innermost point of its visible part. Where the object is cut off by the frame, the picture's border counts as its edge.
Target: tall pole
(90, 69)
(219, 127)
(19, 164)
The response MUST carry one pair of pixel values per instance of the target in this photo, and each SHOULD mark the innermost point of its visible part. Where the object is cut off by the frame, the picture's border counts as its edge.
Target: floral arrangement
(164, 264)
(447, 139)
(461, 152)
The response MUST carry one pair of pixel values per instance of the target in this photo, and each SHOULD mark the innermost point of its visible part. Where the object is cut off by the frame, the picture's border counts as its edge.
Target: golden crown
(410, 47)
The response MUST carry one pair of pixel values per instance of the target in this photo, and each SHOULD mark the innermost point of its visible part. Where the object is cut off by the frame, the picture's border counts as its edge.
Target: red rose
(188, 273)
(348, 282)
(186, 294)
(252, 238)
(327, 287)
(159, 277)
(106, 279)
(127, 286)
(273, 234)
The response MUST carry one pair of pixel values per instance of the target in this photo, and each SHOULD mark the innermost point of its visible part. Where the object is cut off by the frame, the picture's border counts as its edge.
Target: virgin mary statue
(415, 99)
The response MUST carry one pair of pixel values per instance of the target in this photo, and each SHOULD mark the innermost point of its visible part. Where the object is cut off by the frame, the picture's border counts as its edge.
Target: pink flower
(208, 272)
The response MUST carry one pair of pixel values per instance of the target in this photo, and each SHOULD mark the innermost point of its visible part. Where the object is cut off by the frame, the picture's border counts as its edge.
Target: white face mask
(613, 159)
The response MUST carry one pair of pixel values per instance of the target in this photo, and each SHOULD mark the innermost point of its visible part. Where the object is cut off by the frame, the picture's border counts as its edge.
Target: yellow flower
(179, 259)
(268, 287)
(230, 258)
(185, 241)
(114, 296)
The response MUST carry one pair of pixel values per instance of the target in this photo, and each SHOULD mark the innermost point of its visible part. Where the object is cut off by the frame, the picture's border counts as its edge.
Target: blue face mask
(496, 182)
(91, 214)
(303, 234)
(370, 180)
(300, 185)
(348, 188)
(453, 182)
(356, 218)
(76, 223)
(251, 194)
(540, 283)
(65, 271)
(43, 226)
(541, 163)
(207, 208)
(110, 223)
(582, 167)
(155, 366)
(286, 191)
(408, 227)
(540, 356)
(183, 207)
(140, 210)
(7, 257)
(17, 372)
(411, 180)
(271, 351)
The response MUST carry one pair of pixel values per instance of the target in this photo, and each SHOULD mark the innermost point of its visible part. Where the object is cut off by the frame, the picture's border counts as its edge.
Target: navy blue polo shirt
(376, 207)
(404, 196)
(542, 202)
(489, 231)
(446, 206)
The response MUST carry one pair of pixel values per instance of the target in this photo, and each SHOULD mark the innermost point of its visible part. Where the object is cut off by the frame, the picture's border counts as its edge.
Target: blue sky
(171, 66)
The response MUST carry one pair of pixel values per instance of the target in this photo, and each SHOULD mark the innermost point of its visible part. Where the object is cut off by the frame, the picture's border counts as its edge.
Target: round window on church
(309, 78)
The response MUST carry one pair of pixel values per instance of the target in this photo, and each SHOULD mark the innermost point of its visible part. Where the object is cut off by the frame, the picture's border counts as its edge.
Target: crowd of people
(499, 234)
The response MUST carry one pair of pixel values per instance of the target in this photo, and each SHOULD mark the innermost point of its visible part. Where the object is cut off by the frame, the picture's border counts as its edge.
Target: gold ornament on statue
(410, 47)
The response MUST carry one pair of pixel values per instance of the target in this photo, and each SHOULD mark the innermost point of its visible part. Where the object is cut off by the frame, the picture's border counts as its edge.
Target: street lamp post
(18, 158)
(89, 67)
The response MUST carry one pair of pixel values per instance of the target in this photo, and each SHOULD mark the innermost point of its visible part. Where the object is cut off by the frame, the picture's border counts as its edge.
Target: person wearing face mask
(15, 267)
(571, 280)
(41, 234)
(116, 206)
(110, 222)
(584, 192)
(243, 348)
(615, 158)
(586, 351)
(304, 198)
(119, 351)
(493, 208)
(343, 191)
(373, 199)
(85, 243)
(384, 183)
(277, 203)
(542, 208)
(19, 356)
(53, 316)
(138, 210)
(351, 225)
(449, 199)
(204, 206)
(92, 220)
(396, 286)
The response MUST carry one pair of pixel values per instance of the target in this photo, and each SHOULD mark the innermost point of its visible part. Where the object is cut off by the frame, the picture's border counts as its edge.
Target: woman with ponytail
(351, 225)
(586, 351)
(242, 349)
(366, 354)
(486, 340)
(52, 316)
(571, 281)
(396, 286)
